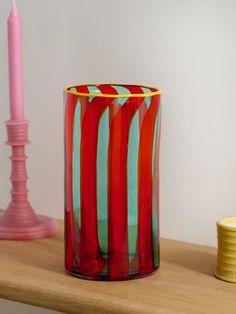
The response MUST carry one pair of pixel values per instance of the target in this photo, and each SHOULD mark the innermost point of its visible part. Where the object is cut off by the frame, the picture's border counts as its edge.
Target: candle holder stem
(20, 222)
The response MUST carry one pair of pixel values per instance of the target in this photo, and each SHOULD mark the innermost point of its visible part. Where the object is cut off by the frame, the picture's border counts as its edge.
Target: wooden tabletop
(32, 272)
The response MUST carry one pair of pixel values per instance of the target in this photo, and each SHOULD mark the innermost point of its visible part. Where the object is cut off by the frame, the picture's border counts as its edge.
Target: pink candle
(15, 64)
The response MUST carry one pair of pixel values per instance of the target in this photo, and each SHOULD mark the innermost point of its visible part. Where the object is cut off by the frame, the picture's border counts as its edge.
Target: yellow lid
(227, 223)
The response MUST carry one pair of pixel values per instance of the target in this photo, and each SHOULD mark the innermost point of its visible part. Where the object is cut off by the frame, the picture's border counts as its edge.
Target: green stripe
(132, 184)
(76, 163)
(102, 180)
(121, 90)
(147, 99)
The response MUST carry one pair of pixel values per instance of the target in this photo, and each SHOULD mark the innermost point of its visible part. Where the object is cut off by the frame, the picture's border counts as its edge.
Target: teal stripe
(121, 90)
(147, 99)
(155, 174)
(102, 180)
(93, 90)
(132, 184)
(73, 89)
(76, 163)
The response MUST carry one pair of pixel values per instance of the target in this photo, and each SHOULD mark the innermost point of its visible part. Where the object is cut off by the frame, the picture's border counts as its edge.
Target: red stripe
(83, 100)
(91, 260)
(71, 101)
(145, 242)
(118, 261)
(142, 112)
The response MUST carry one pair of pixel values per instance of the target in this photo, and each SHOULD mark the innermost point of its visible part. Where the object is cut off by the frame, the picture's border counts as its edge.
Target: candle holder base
(20, 222)
(43, 227)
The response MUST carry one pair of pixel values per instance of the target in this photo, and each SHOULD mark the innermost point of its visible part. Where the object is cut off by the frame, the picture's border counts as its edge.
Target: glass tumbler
(112, 137)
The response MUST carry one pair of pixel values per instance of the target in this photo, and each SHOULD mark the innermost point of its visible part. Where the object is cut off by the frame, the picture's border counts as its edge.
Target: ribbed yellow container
(226, 256)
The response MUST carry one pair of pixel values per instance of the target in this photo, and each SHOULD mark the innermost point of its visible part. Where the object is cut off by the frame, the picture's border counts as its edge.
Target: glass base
(101, 277)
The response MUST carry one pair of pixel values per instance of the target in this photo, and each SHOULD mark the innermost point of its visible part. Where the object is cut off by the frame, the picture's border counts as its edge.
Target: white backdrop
(185, 47)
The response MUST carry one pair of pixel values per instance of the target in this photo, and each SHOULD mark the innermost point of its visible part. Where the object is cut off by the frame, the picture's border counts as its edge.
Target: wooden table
(32, 272)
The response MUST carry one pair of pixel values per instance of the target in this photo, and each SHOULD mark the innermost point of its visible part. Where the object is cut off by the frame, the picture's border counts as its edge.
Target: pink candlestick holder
(20, 222)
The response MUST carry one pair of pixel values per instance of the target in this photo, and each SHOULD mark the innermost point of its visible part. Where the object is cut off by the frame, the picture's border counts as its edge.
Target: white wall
(185, 47)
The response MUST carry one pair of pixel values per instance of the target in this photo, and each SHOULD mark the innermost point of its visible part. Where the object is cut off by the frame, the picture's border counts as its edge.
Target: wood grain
(32, 272)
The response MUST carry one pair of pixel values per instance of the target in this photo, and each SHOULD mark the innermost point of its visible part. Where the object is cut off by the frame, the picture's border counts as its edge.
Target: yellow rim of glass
(68, 91)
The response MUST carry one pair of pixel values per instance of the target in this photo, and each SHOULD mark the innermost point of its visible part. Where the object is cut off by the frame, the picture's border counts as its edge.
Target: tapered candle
(15, 64)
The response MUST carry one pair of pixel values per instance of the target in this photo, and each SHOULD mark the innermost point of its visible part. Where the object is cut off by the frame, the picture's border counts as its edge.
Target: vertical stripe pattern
(111, 182)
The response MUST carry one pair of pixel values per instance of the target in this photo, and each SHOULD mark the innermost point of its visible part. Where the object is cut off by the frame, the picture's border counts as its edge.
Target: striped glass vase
(112, 137)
